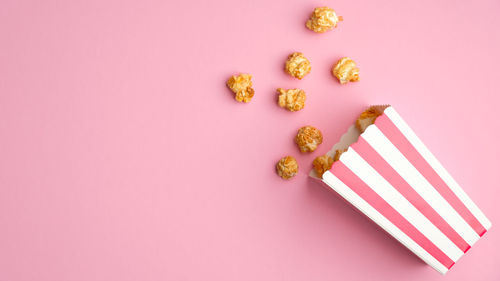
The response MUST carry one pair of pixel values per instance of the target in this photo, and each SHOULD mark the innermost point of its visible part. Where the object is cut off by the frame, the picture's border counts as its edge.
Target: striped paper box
(389, 175)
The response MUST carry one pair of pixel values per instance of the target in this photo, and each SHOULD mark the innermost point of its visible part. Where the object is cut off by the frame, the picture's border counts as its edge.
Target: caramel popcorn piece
(321, 164)
(323, 19)
(338, 152)
(241, 85)
(297, 65)
(367, 118)
(293, 99)
(346, 70)
(287, 167)
(308, 138)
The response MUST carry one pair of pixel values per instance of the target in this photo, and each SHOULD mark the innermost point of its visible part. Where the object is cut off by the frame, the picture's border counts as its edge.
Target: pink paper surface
(123, 156)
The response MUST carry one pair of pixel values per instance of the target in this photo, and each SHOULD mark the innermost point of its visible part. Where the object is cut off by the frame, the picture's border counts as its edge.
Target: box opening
(365, 119)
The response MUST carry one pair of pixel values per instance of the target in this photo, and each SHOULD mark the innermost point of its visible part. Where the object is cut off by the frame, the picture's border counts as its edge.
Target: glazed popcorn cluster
(346, 70)
(287, 167)
(297, 65)
(323, 19)
(241, 85)
(293, 99)
(308, 138)
(321, 164)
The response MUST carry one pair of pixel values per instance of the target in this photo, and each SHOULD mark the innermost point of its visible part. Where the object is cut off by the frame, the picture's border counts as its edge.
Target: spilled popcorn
(241, 85)
(292, 99)
(287, 167)
(297, 65)
(346, 70)
(323, 19)
(308, 138)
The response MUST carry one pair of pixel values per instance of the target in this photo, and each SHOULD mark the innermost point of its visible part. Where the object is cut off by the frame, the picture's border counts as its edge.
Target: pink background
(123, 156)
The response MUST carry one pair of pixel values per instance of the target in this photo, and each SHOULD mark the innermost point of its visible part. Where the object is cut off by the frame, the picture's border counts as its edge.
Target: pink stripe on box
(364, 191)
(404, 146)
(364, 149)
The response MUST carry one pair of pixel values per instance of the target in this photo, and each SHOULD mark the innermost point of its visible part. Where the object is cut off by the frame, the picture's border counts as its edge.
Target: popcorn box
(388, 174)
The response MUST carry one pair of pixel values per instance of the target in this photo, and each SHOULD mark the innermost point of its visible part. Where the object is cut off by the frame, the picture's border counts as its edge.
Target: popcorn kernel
(308, 138)
(287, 167)
(292, 99)
(323, 19)
(241, 85)
(321, 164)
(297, 65)
(346, 70)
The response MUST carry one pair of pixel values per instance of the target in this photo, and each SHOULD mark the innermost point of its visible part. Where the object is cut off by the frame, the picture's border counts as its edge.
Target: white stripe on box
(436, 165)
(412, 176)
(385, 190)
(336, 184)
